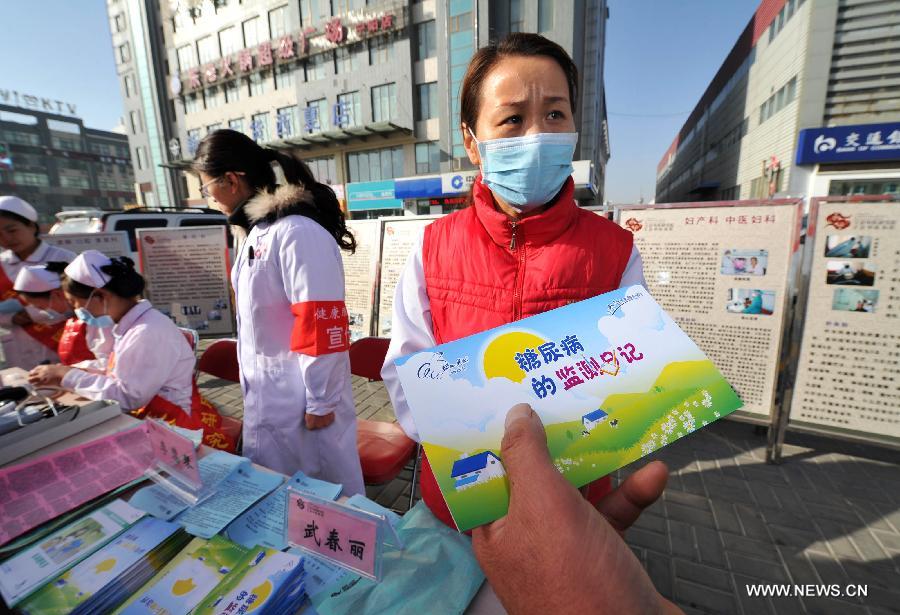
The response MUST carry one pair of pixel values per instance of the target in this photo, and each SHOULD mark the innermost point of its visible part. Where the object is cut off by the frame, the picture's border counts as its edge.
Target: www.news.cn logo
(807, 591)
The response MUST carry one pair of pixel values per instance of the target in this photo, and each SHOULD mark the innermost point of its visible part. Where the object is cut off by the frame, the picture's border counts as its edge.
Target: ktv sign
(862, 142)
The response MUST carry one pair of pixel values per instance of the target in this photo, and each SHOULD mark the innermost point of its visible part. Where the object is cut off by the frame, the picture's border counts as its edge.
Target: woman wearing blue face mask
(151, 367)
(40, 287)
(523, 246)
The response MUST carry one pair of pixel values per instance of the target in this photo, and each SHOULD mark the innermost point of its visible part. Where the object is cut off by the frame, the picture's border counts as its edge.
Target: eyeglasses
(204, 189)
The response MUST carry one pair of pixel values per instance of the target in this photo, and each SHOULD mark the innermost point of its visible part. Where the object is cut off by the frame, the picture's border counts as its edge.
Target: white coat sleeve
(411, 330)
(634, 270)
(142, 366)
(313, 277)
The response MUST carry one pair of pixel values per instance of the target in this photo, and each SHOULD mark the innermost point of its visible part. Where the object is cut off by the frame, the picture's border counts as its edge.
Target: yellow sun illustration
(183, 586)
(105, 566)
(262, 591)
(499, 356)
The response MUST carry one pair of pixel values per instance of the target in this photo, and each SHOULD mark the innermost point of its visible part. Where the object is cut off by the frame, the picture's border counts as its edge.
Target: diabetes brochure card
(613, 378)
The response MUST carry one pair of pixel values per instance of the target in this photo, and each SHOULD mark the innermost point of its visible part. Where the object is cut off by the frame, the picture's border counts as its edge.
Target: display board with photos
(399, 238)
(725, 272)
(187, 272)
(848, 374)
(112, 243)
(361, 276)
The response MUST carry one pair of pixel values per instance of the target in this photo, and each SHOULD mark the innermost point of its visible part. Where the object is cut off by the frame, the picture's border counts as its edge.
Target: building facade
(50, 159)
(365, 92)
(807, 103)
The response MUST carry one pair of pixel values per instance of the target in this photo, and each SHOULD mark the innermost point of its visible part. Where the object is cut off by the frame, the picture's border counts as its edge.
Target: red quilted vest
(483, 270)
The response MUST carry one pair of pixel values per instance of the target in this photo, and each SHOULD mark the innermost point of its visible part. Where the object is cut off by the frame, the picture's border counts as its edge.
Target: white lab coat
(411, 327)
(19, 348)
(294, 261)
(150, 357)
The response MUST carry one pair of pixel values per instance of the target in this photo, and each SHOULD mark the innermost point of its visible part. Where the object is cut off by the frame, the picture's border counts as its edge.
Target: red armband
(320, 327)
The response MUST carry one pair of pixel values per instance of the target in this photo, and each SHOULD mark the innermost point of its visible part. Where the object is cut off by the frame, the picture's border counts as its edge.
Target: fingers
(524, 446)
(624, 505)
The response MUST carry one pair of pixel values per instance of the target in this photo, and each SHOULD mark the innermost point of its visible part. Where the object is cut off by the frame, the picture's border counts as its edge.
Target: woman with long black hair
(293, 333)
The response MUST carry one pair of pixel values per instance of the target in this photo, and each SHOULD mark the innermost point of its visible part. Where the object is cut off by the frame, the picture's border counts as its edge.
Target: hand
(314, 421)
(552, 552)
(48, 375)
(21, 318)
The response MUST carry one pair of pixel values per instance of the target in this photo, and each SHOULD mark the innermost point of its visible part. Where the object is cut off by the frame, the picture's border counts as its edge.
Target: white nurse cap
(15, 205)
(36, 279)
(86, 269)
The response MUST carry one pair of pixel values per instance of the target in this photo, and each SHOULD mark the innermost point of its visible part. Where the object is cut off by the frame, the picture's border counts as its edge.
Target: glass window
(136, 125)
(260, 83)
(229, 42)
(232, 92)
(791, 90)
(381, 50)
(213, 97)
(286, 76)
(206, 49)
(339, 7)
(119, 21)
(545, 15)
(315, 67)
(193, 103)
(278, 21)
(130, 89)
(237, 125)
(124, 53)
(316, 116)
(141, 158)
(286, 122)
(348, 112)
(312, 12)
(384, 102)
(259, 127)
(323, 169)
(252, 33)
(347, 58)
(213, 127)
(516, 16)
(31, 179)
(428, 101)
(375, 165)
(428, 157)
(186, 58)
(426, 40)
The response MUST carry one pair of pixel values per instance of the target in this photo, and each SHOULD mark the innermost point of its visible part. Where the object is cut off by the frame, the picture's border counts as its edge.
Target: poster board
(848, 372)
(187, 272)
(361, 276)
(112, 243)
(398, 239)
(726, 272)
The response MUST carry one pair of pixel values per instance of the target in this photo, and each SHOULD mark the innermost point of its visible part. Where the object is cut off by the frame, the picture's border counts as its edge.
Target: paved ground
(830, 514)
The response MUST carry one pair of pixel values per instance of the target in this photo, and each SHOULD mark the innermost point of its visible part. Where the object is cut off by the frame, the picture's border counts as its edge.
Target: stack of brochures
(266, 582)
(105, 579)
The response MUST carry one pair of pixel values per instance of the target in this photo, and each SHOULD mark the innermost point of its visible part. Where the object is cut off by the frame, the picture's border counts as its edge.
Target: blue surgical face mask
(101, 322)
(527, 172)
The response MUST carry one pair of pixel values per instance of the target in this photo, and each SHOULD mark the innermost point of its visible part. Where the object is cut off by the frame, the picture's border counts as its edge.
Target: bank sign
(862, 142)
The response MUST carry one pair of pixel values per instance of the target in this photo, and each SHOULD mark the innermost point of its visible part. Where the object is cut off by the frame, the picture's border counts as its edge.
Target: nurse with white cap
(25, 343)
(150, 371)
(39, 286)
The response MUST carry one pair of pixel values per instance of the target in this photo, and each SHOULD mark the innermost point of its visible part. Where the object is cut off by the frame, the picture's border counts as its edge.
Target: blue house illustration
(592, 419)
(476, 469)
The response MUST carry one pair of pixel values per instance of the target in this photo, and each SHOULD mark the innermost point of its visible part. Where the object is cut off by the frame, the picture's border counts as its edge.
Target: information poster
(187, 273)
(848, 376)
(723, 274)
(399, 238)
(361, 276)
(113, 243)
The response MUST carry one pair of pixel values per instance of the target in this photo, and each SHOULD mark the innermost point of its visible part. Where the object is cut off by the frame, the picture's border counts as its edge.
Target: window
(252, 34)
(193, 103)
(285, 76)
(259, 127)
(315, 67)
(74, 181)
(119, 22)
(348, 112)
(346, 59)
(278, 21)
(791, 90)
(338, 7)
(140, 156)
(22, 138)
(124, 53)
(428, 157)
(130, 89)
(213, 127)
(229, 42)
(130, 224)
(375, 165)
(384, 102)
(136, 125)
(426, 40)
(186, 58)
(516, 16)
(545, 15)
(73, 144)
(260, 83)
(206, 49)
(312, 12)
(31, 179)
(237, 125)
(778, 100)
(428, 101)
(286, 123)
(232, 92)
(323, 169)
(381, 50)
(787, 11)
(213, 98)
(315, 116)
(460, 23)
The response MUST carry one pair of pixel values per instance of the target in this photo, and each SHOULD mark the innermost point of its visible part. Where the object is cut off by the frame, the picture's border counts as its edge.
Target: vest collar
(537, 230)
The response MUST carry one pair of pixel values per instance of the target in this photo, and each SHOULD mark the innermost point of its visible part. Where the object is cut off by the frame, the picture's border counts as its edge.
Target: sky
(660, 56)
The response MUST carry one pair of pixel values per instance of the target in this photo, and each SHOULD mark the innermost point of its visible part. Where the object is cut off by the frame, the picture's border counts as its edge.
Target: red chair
(220, 360)
(384, 448)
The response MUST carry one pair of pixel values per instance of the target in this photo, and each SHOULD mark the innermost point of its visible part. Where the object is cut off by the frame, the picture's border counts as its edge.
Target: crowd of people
(80, 323)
